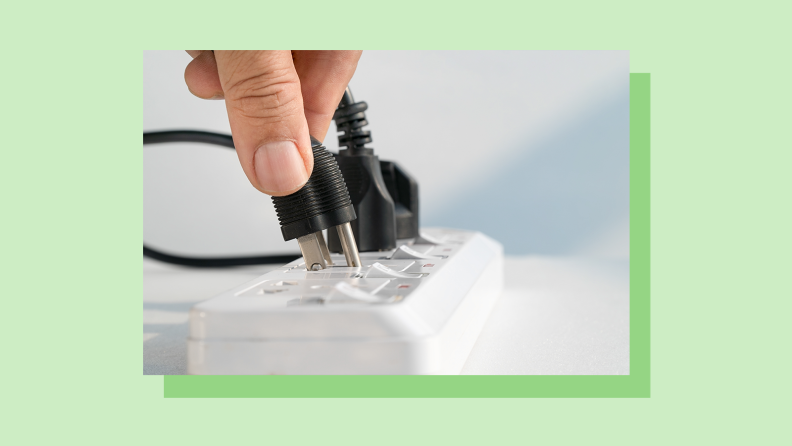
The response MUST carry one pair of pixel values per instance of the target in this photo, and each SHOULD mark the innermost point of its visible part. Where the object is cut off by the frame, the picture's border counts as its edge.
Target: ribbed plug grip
(322, 203)
(350, 121)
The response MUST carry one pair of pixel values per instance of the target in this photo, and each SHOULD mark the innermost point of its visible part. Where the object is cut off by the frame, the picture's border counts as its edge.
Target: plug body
(375, 228)
(403, 189)
(385, 198)
(321, 204)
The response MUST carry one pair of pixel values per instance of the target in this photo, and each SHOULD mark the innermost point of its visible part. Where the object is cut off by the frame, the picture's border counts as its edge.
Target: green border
(635, 385)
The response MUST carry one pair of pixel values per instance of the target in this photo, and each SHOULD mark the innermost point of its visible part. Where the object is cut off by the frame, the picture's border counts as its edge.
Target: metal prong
(348, 244)
(312, 251)
(323, 248)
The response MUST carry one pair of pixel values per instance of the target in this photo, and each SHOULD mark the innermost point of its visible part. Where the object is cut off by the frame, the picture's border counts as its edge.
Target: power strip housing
(417, 309)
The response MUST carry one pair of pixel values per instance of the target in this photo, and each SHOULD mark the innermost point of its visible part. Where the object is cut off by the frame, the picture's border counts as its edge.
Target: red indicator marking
(403, 286)
(428, 265)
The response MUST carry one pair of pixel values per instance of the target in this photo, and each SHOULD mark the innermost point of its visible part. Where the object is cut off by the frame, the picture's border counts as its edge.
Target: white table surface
(556, 316)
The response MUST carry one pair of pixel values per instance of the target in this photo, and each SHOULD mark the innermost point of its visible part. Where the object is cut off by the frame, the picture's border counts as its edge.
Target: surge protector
(417, 309)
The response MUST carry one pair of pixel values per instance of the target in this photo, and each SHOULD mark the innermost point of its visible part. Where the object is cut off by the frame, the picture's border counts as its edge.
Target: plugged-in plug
(384, 197)
(403, 189)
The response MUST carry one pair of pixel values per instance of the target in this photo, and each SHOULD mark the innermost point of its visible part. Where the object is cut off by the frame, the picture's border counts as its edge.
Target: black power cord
(217, 139)
(383, 197)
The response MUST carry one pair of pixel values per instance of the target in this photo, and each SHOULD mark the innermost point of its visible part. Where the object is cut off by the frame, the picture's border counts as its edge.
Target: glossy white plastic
(417, 309)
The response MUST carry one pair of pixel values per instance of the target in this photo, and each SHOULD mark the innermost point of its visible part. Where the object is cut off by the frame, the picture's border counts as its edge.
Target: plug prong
(312, 251)
(348, 244)
(323, 247)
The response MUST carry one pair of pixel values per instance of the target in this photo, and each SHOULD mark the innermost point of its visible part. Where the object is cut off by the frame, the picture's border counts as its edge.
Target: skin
(275, 100)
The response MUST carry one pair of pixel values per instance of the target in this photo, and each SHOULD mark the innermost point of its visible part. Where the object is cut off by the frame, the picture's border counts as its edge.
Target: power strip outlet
(417, 309)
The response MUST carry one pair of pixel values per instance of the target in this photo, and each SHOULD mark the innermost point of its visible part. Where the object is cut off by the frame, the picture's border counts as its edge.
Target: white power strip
(417, 309)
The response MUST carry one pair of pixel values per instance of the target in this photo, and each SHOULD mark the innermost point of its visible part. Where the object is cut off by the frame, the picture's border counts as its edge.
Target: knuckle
(270, 95)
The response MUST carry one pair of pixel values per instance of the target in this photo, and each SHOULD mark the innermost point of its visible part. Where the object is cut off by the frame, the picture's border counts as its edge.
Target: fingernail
(279, 167)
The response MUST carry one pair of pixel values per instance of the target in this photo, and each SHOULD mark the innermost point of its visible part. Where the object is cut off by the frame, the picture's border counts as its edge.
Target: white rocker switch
(380, 271)
(405, 252)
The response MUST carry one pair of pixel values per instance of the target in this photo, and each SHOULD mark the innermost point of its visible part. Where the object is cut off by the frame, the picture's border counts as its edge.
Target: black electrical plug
(385, 198)
(403, 189)
(321, 204)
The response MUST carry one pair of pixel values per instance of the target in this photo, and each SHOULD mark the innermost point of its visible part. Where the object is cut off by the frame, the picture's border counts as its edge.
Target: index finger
(324, 75)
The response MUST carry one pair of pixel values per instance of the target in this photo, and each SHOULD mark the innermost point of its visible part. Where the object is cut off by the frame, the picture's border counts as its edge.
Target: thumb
(265, 110)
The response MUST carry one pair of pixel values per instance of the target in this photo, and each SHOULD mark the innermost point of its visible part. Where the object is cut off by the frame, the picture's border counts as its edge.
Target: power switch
(380, 271)
(405, 252)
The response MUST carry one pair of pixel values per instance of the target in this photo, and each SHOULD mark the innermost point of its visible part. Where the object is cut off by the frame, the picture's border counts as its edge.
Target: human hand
(274, 100)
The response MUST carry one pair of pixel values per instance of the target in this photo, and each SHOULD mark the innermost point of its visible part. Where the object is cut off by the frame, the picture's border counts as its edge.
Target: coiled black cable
(217, 139)
(350, 118)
